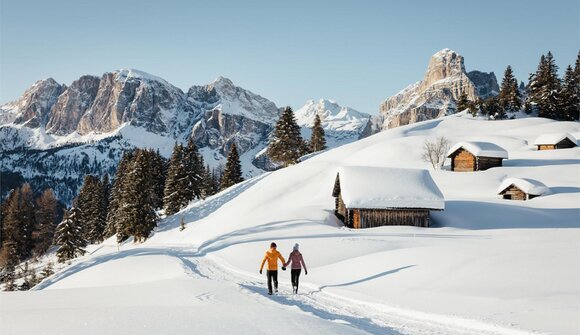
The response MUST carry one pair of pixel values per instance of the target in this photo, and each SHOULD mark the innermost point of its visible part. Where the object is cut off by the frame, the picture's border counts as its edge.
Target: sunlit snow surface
(487, 266)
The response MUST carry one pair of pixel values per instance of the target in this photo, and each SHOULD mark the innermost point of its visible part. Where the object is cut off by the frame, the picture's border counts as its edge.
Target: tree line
(546, 94)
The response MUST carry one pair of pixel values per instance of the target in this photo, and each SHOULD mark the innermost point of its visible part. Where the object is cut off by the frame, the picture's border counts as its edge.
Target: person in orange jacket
(272, 256)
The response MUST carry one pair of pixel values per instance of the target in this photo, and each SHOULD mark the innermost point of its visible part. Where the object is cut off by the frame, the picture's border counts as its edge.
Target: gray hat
(296, 246)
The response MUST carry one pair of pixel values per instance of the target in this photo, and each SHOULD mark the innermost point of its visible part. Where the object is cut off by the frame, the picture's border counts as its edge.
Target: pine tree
(509, 93)
(544, 87)
(106, 196)
(569, 106)
(69, 236)
(116, 198)
(28, 220)
(18, 222)
(175, 192)
(286, 144)
(209, 186)
(233, 171)
(158, 175)
(138, 217)
(463, 102)
(46, 217)
(194, 168)
(317, 139)
(90, 203)
(24, 273)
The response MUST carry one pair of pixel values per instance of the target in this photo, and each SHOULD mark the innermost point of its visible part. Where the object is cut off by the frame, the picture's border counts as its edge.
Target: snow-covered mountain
(341, 124)
(487, 266)
(55, 134)
(435, 95)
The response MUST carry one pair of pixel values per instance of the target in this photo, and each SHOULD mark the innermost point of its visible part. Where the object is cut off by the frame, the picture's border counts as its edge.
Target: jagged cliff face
(231, 114)
(33, 108)
(435, 95)
(72, 104)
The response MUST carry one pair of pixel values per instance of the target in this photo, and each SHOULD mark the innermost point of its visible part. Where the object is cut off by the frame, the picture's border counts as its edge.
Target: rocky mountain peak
(444, 82)
(34, 105)
(443, 64)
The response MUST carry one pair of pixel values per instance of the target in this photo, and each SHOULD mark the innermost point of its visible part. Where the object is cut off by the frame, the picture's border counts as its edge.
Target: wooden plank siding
(370, 218)
(513, 192)
(484, 163)
(462, 161)
(563, 144)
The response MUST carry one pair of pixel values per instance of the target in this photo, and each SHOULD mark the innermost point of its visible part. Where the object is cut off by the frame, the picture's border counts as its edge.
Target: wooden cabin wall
(340, 208)
(463, 161)
(484, 163)
(393, 217)
(546, 147)
(565, 144)
(514, 193)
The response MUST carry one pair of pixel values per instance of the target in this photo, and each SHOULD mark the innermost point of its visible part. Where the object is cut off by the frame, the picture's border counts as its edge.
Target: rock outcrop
(72, 105)
(435, 96)
(33, 107)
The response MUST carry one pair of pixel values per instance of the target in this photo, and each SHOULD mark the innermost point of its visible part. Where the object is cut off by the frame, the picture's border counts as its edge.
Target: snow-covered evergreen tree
(509, 93)
(317, 139)
(69, 236)
(545, 87)
(233, 170)
(90, 203)
(569, 108)
(176, 193)
(138, 217)
(116, 198)
(286, 144)
(194, 168)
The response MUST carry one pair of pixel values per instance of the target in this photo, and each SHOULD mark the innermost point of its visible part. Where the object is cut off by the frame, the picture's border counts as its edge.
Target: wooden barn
(555, 141)
(476, 156)
(367, 197)
(521, 189)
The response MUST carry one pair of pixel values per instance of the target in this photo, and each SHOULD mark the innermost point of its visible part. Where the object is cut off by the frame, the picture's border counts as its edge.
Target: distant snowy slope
(341, 124)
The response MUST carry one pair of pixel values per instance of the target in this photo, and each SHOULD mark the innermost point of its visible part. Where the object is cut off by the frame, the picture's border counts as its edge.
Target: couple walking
(272, 256)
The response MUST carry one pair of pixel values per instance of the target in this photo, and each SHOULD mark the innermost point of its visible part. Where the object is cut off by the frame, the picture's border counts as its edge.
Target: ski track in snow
(369, 317)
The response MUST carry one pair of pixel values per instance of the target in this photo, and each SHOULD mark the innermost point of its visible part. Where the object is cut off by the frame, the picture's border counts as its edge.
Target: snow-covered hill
(487, 266)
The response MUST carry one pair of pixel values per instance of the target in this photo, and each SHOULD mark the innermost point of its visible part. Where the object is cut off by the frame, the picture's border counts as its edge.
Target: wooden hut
(368, 197)
(555, 141)
(476, 156)
(521, 189)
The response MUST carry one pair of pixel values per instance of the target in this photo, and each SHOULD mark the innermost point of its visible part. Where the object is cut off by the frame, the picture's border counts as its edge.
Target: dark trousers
(272, 275)
(294, 275)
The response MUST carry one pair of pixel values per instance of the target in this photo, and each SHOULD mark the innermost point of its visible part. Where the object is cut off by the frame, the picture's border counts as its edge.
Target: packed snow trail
(372, 318)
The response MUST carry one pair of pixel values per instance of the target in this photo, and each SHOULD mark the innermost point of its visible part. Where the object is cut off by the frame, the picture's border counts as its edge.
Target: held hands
(283, 268)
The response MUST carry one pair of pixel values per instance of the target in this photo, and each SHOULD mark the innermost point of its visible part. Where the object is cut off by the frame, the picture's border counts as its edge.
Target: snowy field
(487, 266)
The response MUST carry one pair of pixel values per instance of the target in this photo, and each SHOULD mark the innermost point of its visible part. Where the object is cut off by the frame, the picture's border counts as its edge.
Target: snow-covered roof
(528, 186)
(375, 187)
(553, 138)
(480, 149)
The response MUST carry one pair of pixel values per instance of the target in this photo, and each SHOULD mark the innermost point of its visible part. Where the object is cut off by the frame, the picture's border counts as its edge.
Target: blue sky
(357, 53)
